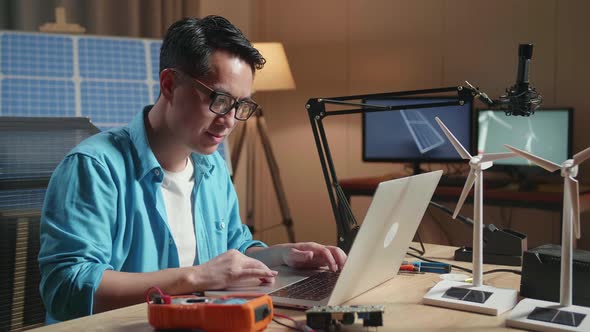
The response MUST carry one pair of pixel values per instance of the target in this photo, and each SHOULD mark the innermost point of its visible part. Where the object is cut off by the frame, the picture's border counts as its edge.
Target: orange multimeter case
(238, 312)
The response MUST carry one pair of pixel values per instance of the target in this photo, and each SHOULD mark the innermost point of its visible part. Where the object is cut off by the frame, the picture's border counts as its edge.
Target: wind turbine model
(476, 296)
(544, 315)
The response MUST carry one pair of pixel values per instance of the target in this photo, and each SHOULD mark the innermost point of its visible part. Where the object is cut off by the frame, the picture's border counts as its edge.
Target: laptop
(375, 256)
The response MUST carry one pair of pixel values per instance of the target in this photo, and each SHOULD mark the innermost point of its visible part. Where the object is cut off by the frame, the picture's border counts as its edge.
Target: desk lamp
(476, 296)
(276, 75)
(544, 315)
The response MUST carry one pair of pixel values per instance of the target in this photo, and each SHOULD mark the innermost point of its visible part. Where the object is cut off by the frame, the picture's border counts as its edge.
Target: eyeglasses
(221, 102)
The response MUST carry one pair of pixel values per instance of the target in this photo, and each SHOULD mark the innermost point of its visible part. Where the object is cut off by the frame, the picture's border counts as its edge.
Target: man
(152, 204)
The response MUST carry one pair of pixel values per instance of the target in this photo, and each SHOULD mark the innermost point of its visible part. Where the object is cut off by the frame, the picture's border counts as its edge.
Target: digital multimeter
(239, 312)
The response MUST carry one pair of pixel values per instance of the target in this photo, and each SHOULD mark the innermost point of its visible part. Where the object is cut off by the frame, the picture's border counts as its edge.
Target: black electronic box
(541, 270)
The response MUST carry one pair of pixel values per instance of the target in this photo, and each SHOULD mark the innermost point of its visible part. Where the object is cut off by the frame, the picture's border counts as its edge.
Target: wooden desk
(506, 196)
(401, 296)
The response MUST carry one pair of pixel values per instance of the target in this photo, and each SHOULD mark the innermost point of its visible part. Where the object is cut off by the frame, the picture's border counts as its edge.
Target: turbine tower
(475, 297)
(532, 314)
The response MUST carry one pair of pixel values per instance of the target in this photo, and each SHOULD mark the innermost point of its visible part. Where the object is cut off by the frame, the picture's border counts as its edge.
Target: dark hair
(188, 43)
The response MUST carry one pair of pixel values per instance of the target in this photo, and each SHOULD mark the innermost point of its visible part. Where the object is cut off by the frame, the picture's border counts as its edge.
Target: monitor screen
(547, 134)
(413, 135)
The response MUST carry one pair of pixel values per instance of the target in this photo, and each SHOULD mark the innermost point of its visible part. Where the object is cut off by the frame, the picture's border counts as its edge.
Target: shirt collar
(202, 164)
(145, 155)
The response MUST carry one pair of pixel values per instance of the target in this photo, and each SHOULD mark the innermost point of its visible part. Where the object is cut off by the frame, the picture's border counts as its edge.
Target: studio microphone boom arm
(521, 99)
(346, 224)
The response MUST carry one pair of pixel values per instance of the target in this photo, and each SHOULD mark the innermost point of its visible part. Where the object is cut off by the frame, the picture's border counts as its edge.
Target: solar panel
(155, 59)
(108, 104)
(37, 55)
(37, 97)
(112, 59)
(107, 79)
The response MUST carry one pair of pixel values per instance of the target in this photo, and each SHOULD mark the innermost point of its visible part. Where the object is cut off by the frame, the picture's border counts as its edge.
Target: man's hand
(300, 255)
(314, 255)
(231, 268)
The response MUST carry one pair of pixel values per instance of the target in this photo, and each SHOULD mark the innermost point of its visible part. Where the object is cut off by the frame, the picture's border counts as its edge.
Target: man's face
(190, 118)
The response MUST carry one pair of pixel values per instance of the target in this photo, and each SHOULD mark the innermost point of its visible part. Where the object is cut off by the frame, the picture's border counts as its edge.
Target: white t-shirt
(177, 189)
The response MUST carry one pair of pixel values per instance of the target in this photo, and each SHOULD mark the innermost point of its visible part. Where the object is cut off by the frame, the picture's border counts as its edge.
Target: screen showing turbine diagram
(412, 135)
(547, 134)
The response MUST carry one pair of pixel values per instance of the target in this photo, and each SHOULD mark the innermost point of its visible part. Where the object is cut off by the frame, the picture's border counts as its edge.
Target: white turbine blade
(546, 164)
(575, 203)
(460, 149)
(465, 192)
(485, 165)
(496, 156)
(581, 156)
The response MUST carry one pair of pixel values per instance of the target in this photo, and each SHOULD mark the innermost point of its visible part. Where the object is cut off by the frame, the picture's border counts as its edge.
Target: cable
(433, 261)
(463, 268)
(503, 270)
(299, 326)
(285, 325)
(423, 251)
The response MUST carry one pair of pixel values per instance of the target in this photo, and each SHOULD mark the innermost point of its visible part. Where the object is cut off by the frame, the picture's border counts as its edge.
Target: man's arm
(119, 289)
(75, 233)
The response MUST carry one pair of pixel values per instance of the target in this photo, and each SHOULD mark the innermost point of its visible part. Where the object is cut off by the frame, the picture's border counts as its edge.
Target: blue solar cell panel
(111, 104)
(112, 58)
(40, 97)
(156, 90)
(36, 55)
(155, 56)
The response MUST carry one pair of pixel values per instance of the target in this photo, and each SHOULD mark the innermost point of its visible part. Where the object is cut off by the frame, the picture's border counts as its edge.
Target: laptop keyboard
(314, 288)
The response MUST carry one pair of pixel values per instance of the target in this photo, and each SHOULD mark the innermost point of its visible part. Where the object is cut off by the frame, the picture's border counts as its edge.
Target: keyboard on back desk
(314, 288)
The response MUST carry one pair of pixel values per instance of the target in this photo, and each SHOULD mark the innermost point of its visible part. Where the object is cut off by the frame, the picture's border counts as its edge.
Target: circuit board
(323, 317)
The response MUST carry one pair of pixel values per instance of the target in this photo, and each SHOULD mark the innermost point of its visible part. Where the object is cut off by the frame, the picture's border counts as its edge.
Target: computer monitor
(547, 133)
(413, 135)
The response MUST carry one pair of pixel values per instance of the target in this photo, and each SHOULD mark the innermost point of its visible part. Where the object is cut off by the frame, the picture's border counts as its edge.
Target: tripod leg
(250, 184)
(237, 150)
(276, 178)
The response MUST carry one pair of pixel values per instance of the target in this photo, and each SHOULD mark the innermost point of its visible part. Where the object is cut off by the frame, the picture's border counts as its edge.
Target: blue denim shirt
(104, 210)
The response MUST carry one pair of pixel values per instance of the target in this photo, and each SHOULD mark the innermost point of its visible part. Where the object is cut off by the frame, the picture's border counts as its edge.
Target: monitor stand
(416, 168)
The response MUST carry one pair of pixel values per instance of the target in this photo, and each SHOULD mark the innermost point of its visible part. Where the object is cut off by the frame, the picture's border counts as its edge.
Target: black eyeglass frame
(213, 95)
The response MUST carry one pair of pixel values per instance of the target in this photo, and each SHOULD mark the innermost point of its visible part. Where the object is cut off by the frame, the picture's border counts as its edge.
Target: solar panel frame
(31, 63)
(108, 79)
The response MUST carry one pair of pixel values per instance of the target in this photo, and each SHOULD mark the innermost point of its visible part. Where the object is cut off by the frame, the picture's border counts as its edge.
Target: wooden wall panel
(359, 46)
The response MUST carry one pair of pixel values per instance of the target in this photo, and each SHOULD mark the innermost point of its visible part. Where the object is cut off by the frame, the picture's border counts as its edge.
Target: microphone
(522, 98)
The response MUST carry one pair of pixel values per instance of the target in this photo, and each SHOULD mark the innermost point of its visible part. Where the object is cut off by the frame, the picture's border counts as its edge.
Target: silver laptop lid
(385, 235)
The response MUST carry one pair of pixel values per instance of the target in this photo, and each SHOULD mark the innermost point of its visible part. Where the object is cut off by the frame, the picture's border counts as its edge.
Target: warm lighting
(276, 74)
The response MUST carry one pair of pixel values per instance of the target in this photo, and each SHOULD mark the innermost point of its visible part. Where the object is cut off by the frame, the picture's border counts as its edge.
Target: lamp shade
(276, 74)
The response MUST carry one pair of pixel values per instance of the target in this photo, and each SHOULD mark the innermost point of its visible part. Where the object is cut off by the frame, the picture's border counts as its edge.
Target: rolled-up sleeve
(77, 222)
